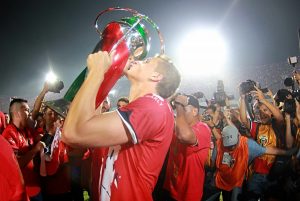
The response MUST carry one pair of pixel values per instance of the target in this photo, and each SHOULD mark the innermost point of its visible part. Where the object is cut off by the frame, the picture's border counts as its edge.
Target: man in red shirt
(22, 140)
(2, 122)
(188, 152)
(11, 181)
(137, 135)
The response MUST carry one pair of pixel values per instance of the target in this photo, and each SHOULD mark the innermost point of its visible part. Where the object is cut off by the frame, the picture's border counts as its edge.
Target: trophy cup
(127, 37)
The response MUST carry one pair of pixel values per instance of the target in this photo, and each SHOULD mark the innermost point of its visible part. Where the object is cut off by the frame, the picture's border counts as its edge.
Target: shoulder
(150, 103)
(151, 99)
(9, 131)
(201, 128)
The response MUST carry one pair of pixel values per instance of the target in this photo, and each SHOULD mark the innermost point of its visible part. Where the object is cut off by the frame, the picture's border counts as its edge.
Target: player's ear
(156, 77)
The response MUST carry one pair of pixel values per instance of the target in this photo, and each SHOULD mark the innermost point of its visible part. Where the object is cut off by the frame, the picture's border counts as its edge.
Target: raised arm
(243, 113)
(38, 101)
(82, 126)
(184, 131)
(288, 134)
(258, 94)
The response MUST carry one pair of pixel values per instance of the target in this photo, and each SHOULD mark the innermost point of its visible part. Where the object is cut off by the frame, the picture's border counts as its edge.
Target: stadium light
(51, 77)
(202, 53)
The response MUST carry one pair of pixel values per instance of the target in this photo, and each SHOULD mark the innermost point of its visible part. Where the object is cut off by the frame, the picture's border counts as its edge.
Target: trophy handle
(140, 18)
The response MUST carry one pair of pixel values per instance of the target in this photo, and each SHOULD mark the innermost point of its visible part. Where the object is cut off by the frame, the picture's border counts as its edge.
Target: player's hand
(99, 61)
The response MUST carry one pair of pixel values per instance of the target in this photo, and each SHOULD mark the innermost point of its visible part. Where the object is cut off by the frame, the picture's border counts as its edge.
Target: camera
(248, 86)
(281, 95)
(198, 94)
(47, 139)
(290, 107)
(220, 95)
(290, 82)
(56, 86)
(293, 61)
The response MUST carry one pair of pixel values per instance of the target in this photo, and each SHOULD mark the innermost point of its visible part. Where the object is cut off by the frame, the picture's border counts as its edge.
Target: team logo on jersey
(263, 140)
(110, 176)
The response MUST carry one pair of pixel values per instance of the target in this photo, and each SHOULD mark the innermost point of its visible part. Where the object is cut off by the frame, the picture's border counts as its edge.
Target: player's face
(141, 70)
(24, 113)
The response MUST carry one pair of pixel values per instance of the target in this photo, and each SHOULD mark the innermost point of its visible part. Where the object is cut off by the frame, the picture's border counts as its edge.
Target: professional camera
(248, 86)
(220, 95)
(47, 139)
(293, 60)
(55, 86)
(198, 94)
(290, 107)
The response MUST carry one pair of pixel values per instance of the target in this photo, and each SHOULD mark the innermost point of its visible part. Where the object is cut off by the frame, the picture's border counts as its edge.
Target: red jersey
(130, 171)
(185, 171)
(11, 181)
(2, 122)
(22, 141)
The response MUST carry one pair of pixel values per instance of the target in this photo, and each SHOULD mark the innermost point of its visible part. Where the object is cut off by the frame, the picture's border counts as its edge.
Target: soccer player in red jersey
(135, 138)
(11, 180)
(23, 142)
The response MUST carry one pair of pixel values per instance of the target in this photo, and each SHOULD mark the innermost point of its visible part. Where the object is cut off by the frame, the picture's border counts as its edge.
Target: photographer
(265, 133)
(213, 118)
(188, 152)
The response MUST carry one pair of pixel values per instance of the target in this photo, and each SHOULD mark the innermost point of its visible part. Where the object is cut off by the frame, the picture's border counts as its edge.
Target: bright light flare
(51, 77)
(202, 53)
(113, 92)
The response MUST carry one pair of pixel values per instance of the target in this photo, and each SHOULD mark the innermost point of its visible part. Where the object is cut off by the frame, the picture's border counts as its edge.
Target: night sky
(37, 34)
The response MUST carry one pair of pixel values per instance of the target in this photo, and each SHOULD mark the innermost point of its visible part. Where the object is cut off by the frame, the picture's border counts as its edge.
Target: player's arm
(82, 126)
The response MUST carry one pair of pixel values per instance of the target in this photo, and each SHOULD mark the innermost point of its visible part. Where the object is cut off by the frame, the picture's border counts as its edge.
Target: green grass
(86, 196)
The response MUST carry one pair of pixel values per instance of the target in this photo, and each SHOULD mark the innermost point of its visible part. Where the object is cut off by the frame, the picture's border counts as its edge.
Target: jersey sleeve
(144, 117)
(255, 150)
(203, 135)
(10, 136)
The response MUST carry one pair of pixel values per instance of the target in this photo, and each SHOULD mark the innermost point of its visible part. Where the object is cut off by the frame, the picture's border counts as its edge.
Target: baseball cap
(230, 136)
(193, 101)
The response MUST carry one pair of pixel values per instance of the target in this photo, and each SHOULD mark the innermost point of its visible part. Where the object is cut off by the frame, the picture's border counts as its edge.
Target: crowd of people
(155, 146)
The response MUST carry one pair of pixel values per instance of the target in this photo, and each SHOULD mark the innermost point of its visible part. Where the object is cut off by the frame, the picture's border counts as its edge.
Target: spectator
(188, 152)
(2, 122)
(232, 156)
(266, 134)
(105, 106)
(123, 101)
(57, 181)
(137, 136)
(6, 118)
(54, 163)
